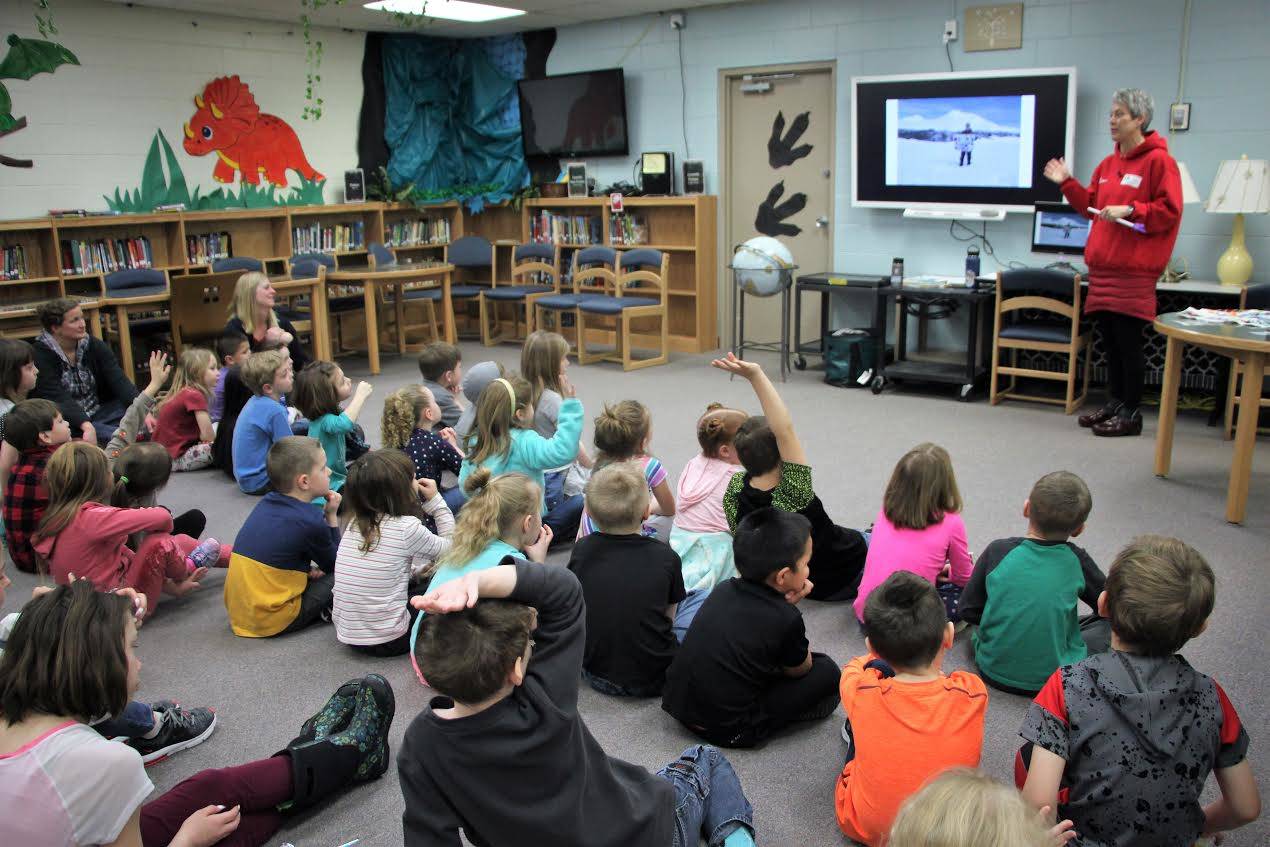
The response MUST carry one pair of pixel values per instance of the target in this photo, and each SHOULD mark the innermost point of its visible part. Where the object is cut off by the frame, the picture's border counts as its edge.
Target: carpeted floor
(264, 689)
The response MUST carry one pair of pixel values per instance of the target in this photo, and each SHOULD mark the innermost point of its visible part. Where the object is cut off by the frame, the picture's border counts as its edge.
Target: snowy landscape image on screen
(976, 142)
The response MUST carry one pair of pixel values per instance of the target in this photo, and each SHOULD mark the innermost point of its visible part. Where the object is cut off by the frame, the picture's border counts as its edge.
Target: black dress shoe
(1106, 413)
(1118, 426)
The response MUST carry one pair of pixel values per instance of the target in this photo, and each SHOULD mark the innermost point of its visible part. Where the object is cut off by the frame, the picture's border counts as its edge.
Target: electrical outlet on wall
(677, 20)
(950, 30)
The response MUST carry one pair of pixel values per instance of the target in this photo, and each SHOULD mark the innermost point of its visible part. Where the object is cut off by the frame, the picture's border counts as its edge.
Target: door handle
(822, 221)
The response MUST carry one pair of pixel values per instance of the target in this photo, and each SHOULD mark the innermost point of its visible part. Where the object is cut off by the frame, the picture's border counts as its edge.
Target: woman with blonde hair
(967, 808)
(252, 313)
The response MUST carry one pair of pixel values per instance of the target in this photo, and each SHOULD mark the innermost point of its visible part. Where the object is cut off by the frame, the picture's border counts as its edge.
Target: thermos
(972, 266)
(897, 271)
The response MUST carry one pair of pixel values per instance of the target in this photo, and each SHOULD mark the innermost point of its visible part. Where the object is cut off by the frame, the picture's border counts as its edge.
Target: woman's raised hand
(1056, 171)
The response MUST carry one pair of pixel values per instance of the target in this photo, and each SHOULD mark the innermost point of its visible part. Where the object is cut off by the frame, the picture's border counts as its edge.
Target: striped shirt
(371, 589)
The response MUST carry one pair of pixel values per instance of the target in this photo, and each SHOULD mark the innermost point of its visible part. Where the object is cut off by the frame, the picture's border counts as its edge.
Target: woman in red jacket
(1135, 199)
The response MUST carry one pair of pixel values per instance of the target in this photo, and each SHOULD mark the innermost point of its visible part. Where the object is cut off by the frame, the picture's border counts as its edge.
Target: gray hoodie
(474, 381)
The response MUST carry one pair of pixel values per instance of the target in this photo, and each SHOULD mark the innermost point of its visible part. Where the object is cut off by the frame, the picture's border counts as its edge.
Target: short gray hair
(1138, 102)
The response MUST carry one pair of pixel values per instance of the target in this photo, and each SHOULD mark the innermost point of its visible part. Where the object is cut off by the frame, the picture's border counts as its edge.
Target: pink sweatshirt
(699, 500)
(92, 546)
(920, 551)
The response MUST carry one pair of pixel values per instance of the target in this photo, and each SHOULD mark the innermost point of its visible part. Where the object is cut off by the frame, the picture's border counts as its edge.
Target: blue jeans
(106, 421)
(709, 802)
(563, 518)
(612, 689)
(454, 499)
(688, 608)
(135, 721)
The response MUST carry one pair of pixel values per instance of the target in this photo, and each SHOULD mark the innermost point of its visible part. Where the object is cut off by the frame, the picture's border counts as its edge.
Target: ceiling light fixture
(453, 10)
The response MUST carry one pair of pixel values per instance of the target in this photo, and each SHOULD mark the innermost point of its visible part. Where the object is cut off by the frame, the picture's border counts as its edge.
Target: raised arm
(360, 395)
(778, 417)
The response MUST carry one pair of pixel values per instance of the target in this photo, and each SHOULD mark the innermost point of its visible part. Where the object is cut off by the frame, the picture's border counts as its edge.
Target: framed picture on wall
(1180, 117)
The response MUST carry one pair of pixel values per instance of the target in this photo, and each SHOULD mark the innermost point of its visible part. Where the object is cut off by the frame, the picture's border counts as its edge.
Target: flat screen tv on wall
(960, 141)
(574, 115)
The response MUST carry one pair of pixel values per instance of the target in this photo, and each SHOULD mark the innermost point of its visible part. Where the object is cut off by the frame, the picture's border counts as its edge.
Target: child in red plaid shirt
(35, 428)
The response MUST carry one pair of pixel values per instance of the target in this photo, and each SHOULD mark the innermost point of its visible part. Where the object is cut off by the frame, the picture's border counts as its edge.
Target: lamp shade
(1242, 186)
(1190, 194)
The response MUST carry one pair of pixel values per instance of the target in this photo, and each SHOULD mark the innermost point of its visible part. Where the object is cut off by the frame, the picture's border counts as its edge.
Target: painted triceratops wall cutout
(245, 140)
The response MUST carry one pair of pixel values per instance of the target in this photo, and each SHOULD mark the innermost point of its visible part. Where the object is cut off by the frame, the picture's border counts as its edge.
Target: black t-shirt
(628, 581)
(741, 640)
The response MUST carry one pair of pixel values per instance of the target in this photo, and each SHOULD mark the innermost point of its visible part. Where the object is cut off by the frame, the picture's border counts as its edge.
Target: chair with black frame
(637, 294)
(137, 290)
(475, 268)
(594, 271)
(381, 256)
(237, 263)
(340, 306)
(1021, 294)
(1252, 297)
(530, 262)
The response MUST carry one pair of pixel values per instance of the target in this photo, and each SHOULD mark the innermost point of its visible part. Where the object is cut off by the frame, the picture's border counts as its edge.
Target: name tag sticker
(1131, 180)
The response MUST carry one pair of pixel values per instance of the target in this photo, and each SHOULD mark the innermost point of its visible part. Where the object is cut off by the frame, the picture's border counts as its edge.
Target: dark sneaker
(182, 729)
(332, 717)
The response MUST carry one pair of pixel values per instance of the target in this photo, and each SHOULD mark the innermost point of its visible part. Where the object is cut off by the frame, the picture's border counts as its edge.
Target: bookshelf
(683, 227)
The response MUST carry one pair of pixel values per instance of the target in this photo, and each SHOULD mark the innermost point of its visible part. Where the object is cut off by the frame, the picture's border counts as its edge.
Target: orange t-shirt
(905, 733)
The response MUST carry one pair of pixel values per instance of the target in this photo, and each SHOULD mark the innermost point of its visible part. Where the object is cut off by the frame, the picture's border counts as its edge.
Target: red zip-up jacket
(1124, 264)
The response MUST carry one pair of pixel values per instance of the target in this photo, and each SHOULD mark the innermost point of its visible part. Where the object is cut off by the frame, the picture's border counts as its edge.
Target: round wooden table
(395, 275)
(1245, 344)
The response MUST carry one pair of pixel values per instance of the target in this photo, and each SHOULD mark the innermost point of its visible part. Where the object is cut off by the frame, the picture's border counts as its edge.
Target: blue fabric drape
(451, 114)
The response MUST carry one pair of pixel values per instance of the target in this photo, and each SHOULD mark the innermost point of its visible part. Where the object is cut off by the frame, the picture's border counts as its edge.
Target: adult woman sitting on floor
(69, 659)
(253, 314)
(79, 373)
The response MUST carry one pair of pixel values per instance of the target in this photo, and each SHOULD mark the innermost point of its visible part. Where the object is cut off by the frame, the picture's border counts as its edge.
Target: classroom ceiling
(540, 14)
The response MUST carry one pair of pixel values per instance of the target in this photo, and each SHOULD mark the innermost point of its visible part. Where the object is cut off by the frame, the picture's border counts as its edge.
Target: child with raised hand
(920, 529)
(139, 418)
(622, 434)
(701, 534)
(81, 534)
(232, 349)
(408, 418)
(543, 360)
(504, 442)
(500, 519)
(967, 808)
(778, 475)
(906, 719)
(1123, 742)
(385, 544)
(1024, 592)
(320, 388)
(185, 424)
(503, 752)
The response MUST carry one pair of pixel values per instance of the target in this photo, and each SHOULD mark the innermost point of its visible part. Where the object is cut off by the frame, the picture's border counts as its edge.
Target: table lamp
(1190, 194)
(1242, 187)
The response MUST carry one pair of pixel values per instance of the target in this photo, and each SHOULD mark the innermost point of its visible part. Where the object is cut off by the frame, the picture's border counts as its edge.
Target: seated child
(503, 753)
(34, 429)
(906, 719)
(544, 359)
(139, 472)
(744, 670)
(81, 534)
(622, 433)
(185, 425)
(233, 348)
(136, 423)
(1123, 742)
(633, 587)
(408, 418)
(280, 572)
(319, 390)
(383, 546)
(474, 382)
(441, 366)
(263, 420)
(920, 529)
(701, 534)
(1023, 592)
(967, 808)
(777, 474)
(17, 377)
(236, 396)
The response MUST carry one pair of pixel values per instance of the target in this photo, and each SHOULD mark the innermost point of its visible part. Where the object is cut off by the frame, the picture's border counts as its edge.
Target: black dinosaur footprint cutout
(772, 213)
(780, 148)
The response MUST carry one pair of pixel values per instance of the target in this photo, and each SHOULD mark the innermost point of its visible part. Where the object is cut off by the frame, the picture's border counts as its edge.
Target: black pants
(812, 696)
(965, 158)
(191, 523)
(316, 599)
(1126, 357)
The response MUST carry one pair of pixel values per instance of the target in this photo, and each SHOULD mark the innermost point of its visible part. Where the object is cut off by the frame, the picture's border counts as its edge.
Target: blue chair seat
(602, 304)
(514, 292)
(560, 301)
(139, 291)
(463, 292)
(1053, 333)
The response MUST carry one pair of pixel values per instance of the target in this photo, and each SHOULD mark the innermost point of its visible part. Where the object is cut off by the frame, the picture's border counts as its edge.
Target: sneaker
(181, 730)
(205, 555)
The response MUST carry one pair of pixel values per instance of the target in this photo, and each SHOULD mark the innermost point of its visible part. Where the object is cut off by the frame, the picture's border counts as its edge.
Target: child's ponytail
(717, 428)
(495, 505)
(620, 432)
(496, 417)
(139, 470)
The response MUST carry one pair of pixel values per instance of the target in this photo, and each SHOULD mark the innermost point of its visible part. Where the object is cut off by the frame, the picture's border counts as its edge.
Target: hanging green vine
(44, 19)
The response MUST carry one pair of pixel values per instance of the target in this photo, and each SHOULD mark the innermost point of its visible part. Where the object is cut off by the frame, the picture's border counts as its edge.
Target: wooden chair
(594, 271)
(476, 268)
(529, 262)
(1039, 290)
(137, 289)
(339, 307)
(1252, 297)
(383, 257)
(638, 293)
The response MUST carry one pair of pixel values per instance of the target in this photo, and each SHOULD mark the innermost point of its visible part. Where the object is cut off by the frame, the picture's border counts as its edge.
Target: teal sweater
(531, 454)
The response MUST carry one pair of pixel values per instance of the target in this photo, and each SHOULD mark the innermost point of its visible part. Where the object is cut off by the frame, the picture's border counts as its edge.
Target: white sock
(159, 718)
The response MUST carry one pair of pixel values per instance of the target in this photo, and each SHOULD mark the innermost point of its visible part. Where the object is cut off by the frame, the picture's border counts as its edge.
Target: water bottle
(972, 266)
(897, 271)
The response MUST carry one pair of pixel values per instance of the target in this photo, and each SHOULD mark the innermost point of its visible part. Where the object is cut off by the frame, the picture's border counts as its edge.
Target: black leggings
(1126, 357)
(809, 697)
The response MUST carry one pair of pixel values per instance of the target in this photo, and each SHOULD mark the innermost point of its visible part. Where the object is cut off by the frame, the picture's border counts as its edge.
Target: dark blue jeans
(106, 421)
(136, 720)
(563, 518)
(709, 802)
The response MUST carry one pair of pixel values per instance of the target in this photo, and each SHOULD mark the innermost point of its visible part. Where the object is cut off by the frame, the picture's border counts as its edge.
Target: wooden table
(1249, 346)
(395, 275)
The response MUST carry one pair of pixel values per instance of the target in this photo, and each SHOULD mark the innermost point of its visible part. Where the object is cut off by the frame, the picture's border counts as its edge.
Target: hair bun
(476, 481)
(712, 407)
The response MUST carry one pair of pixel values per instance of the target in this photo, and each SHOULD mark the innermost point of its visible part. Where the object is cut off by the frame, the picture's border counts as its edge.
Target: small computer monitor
(1058, 228)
